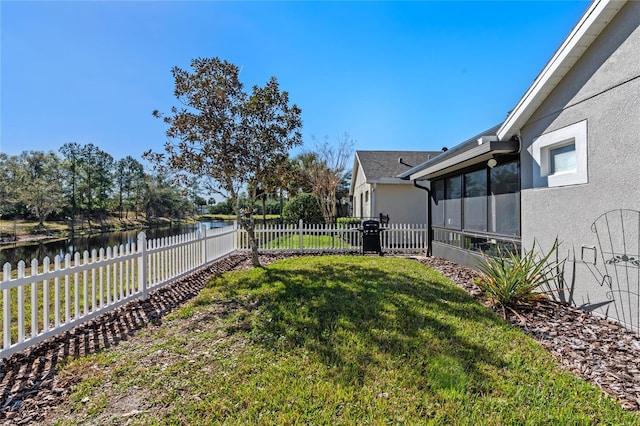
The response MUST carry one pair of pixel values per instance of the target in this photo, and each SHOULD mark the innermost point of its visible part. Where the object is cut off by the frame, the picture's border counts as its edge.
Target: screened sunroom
(474, 193)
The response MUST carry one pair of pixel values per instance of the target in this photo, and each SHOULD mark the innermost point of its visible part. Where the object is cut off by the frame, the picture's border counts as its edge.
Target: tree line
(84, 182)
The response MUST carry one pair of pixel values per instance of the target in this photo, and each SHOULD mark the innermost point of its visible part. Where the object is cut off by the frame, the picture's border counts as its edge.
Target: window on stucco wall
(560, 157)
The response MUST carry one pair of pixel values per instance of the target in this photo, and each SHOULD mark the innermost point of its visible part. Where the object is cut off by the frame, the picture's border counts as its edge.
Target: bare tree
(326, 168)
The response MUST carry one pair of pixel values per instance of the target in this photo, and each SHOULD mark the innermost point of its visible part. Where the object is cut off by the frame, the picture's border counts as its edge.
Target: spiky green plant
(510, 279)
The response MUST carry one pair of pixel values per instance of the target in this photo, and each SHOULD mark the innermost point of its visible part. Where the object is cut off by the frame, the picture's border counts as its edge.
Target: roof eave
(594, 20)
(477, 154)
(354, 173)
(485, 138)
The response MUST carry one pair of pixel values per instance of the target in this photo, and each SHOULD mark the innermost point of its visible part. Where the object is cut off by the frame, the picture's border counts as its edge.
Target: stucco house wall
(376, 189)
(361, 208)
(403, 203)
(603, 91)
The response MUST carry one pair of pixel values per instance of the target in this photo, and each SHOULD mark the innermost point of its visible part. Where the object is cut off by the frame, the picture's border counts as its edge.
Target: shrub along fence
(47, 299)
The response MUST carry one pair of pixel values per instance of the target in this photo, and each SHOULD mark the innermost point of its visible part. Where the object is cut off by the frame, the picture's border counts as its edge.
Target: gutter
(429, 230)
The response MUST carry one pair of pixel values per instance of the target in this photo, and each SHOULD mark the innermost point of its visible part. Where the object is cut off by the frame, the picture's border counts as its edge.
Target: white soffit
(477, 154)
(595, 19)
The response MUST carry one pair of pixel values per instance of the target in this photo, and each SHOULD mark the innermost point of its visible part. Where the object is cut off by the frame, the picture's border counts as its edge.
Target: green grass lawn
(332, 340)
(292, 242)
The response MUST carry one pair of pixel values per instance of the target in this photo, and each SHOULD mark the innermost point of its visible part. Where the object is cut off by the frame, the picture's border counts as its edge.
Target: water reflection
(13, 253)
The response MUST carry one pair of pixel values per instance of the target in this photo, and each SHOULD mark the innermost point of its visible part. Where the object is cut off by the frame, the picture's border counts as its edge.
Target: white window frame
(541, 148)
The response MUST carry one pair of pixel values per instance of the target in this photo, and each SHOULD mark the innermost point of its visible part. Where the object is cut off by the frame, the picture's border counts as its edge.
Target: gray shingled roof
(384, 164)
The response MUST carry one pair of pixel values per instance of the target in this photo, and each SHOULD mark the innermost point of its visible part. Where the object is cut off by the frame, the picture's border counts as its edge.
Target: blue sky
(393, 75)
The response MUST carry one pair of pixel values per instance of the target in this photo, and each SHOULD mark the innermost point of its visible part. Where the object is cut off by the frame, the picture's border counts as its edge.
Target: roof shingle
(385, 164)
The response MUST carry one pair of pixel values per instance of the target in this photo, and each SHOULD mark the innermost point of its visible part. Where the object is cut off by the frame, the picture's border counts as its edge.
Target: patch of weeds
(83, 393)
(184, 312)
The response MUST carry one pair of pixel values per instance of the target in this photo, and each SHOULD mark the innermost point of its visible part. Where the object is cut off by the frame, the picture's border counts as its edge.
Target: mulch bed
(592, 348)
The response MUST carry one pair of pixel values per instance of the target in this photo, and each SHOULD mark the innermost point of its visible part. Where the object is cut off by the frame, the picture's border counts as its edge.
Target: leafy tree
(342, 194)
(10, 171)
(41, 190)
(226, 134)
(303, 206)
(200, 202)
(139, 188)
(273, 206)
(223, 207)
(276, 180)
(129, 173)
(163, 200)
(104, 180)
(300, 177)
(71, 172)
(91, 171)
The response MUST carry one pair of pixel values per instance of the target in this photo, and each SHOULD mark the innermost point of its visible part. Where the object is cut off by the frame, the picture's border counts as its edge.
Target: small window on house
(366, 197)
(562, 159)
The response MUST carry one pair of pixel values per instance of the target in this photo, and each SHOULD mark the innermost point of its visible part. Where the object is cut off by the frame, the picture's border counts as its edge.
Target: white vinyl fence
(44, 300)
(306, 237)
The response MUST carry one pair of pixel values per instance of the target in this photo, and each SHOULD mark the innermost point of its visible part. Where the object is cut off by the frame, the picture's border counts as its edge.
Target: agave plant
(509, 279)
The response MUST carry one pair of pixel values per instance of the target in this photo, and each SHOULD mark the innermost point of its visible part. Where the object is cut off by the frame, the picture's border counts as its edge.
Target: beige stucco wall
(603, 88)
(360, 186)
(404, 203)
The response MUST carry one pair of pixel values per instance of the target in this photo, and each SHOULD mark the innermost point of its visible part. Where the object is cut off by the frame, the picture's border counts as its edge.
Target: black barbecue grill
(371, 237)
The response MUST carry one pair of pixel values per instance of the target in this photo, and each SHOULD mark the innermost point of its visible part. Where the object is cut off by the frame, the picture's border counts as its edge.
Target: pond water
(13, 253)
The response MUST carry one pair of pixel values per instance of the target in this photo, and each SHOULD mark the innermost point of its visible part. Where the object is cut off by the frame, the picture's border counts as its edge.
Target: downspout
(429, 230)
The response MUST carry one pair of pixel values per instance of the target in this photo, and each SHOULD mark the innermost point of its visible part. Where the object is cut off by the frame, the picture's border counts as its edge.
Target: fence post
(236, 235)
(142, 265)
(300, 224)
(6, 302)
(203, 233)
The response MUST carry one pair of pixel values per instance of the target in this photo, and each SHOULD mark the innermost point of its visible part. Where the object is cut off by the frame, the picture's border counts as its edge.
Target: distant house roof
(594, 20)
(474, 150)
(384, 166)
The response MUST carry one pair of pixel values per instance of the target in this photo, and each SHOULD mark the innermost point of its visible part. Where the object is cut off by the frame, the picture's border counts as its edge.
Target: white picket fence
(335, 238)
(50, 299)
